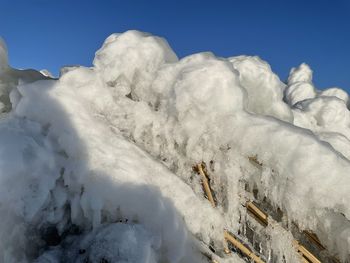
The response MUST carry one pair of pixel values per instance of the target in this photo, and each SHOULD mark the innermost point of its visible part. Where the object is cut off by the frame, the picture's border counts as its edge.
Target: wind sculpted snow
(97, 165)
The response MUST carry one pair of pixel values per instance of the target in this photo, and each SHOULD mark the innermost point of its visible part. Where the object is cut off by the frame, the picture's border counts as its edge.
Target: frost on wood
(96, 166)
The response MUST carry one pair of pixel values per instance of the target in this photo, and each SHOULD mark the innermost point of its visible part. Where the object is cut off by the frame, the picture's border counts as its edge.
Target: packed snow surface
(96, 166)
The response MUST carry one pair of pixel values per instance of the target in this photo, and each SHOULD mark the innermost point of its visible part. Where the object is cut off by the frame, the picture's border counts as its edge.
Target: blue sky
(50, 34)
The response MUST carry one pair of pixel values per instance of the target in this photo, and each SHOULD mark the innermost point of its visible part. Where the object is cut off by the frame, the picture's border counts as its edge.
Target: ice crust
(97, 165)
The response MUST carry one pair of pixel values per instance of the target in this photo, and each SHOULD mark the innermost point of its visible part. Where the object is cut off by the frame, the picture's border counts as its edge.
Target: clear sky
(50, 34)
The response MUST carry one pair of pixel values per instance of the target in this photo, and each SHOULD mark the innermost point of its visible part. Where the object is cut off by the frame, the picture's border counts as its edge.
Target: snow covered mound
(96, 166)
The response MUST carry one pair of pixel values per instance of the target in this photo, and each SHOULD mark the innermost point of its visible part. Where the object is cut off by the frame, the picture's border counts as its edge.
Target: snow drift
(96, 166)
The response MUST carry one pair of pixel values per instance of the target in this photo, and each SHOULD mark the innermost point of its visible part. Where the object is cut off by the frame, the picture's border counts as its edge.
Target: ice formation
(96, 166)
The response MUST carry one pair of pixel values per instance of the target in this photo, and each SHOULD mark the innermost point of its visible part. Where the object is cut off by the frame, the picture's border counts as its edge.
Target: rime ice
(97, 165)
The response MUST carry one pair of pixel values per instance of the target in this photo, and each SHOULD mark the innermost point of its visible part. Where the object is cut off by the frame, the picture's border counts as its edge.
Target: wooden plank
(313, 237)
(261, 216)
(306, 253)
(246, 251)
(205, 183)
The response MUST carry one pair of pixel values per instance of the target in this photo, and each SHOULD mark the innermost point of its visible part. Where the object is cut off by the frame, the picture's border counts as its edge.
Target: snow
(264, 89)
(10, 78)
(336, 92)
(300, 85)
(97, 165)
(133, 243)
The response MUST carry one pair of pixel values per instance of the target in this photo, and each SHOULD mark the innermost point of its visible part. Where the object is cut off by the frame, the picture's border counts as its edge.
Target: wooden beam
(205, 182)
(306, 253)
(237, 244)
(261, 216)
(313, 237)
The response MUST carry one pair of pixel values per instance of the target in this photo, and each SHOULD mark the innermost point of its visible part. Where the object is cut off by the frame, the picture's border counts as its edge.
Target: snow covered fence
(261, 217)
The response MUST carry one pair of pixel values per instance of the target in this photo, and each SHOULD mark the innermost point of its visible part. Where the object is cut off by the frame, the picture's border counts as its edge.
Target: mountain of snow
(96, 166)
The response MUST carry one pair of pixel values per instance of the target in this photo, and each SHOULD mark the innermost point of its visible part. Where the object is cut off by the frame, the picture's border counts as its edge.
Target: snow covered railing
(261, 217)
(200, 169)
(307, 256)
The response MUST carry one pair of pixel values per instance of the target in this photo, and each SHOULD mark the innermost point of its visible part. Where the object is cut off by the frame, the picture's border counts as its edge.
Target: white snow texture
(96, 166)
